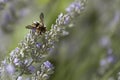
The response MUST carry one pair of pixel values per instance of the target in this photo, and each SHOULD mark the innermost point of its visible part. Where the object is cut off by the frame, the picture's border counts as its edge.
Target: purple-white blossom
(48, 64)
(31, 69)
(38, 45)
(20, 78)
(75, 7)
(10, 69)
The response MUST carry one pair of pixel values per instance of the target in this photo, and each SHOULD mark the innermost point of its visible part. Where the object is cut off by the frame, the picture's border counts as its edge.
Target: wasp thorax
(36, 23)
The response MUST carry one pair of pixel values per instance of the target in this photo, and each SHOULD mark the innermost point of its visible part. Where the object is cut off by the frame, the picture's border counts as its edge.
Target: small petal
(19, 78)
(47, 64)
(16, 61)
(110, 59)
(31, 69)
(103, 62)
(67, 20)
(38, 45)
(10, 69)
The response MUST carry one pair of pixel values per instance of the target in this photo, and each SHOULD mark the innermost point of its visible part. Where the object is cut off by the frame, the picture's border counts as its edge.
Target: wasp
(38, 26)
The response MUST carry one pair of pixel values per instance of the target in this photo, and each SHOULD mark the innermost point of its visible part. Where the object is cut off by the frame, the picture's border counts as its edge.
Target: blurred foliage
(78, 56)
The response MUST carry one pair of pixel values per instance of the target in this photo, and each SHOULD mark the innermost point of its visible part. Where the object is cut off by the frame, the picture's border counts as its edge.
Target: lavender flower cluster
(30, 57)
(107, 61)
(10, 12)
(2, 4)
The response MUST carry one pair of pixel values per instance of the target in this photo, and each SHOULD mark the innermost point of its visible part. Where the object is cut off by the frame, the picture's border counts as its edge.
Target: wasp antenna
(41, 16)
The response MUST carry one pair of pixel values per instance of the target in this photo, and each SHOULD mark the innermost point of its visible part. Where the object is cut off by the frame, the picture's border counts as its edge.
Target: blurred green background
(90, 52)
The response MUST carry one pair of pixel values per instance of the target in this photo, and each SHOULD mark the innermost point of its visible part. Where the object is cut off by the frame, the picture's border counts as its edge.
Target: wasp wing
(29, 27)
(42, 17)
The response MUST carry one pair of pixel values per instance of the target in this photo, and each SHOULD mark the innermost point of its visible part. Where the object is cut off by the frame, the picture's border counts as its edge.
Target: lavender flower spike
(29, 58)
